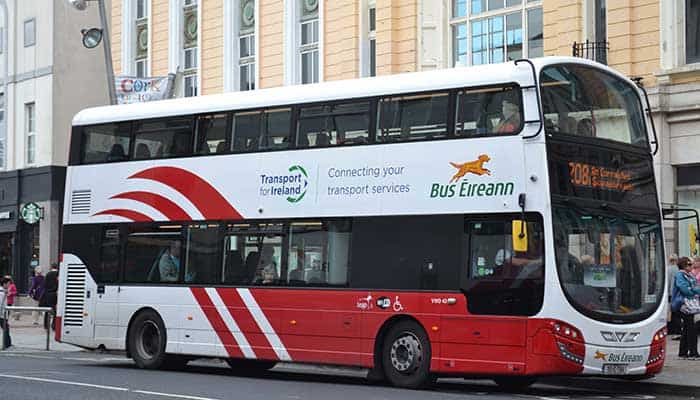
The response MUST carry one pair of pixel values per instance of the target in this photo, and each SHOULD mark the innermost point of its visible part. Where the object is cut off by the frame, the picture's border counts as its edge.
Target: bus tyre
(243, 365)
(515, 383)
(406, 356)
(147, 338)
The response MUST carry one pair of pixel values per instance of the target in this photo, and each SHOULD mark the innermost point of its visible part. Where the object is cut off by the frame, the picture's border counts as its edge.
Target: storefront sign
(138, 90)
(31, 213)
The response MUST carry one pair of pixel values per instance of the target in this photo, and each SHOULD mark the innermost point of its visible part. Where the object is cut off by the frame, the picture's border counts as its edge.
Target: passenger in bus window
(169, 263)
(267, 267)
(510, 118)
(142, 152)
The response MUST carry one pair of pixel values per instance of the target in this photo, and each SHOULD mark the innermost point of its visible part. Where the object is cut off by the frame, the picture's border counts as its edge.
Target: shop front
(30, 217)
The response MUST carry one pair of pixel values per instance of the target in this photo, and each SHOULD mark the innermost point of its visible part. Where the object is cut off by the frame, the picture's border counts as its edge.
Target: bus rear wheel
(406, 356)
(147, 339)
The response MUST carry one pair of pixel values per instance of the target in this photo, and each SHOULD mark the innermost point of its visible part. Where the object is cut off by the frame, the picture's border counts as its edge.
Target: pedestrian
(674, 320)
(4, 323)
(11, 290)
(36, 291)
(50, 295)
(696, 268)
(686, 287)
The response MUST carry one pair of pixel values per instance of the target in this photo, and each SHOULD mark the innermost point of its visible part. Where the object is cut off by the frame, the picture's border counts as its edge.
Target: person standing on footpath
(36, 291)
(50, 296)
(4, 324)
(686, 287)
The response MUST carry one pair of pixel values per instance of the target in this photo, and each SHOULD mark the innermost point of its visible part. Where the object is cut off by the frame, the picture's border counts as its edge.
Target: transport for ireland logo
(460, 185)
(291, 185)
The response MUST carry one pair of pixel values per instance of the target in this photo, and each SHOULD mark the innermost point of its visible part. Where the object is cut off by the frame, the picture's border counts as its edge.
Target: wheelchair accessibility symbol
(397, 305)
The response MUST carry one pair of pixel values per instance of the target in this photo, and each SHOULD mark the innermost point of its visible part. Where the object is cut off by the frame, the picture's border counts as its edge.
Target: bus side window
(106, 143)
(246, 131)
(413, 117)
(335, 124)
(488, 111)
(276, 132)
(163, 138)
(154, 254)
(211, 135)
(201, 254)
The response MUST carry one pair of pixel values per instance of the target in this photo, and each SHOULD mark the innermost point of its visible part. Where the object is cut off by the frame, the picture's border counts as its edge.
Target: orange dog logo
(475, 167)
(600, 355)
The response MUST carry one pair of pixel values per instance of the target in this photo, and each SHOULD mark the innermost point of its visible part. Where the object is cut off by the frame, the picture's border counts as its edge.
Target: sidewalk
(27, 337)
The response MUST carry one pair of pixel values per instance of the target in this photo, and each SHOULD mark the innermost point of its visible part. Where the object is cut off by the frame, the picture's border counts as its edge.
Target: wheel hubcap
(406, 353)
(149, 343)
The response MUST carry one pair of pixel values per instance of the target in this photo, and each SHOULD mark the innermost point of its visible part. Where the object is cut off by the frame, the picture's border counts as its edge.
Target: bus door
(105, 295)
(503, 284)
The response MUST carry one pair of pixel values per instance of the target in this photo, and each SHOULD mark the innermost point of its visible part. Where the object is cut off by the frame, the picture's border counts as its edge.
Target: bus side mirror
(519, 235)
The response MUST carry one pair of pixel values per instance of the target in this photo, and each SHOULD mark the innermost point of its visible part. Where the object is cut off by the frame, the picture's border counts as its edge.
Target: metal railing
(595, 51)
(10, 309)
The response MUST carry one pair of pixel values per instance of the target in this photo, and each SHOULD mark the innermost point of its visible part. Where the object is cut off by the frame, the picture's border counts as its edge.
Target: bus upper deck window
(163, 138)
(211, 134)
(106, 143)
(275, 134)
(331, 125)
(489, 111)
(413, 117)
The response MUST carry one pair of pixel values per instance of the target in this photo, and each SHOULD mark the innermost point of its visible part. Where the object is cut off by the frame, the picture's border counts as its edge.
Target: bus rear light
(563, 329)
(569, 355)
(657, 352)
(660, 336)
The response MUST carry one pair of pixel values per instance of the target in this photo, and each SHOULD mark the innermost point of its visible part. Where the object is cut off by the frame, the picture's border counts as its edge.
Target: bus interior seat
(322, 139)
(567, 125)
(251, 265)
(142, 152)
(221, 147)
(585, 128)
(303, 140)
(116, 153)
(234, 272)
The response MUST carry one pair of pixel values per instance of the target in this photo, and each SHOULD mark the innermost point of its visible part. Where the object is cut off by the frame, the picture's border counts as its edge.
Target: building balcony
(596, 51)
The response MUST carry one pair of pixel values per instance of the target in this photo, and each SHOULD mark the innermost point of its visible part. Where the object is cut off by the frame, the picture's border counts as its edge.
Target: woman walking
(36, 291)
(686, 287)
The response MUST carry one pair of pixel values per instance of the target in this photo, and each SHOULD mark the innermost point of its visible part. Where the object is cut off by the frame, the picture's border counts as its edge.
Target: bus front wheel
(406, 355)
(147, 338)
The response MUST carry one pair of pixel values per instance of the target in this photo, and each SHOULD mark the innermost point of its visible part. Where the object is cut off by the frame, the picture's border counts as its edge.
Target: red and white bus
(497, 221)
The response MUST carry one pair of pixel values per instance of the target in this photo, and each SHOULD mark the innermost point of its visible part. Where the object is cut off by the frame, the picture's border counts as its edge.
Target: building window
(141, 38)
(246, 46)
(493, 31)
(309, 41)
(190, 49)
(692, 31)
(29, 32)
(30, 130)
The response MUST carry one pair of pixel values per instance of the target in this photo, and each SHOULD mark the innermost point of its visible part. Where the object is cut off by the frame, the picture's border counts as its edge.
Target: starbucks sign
(31, 213)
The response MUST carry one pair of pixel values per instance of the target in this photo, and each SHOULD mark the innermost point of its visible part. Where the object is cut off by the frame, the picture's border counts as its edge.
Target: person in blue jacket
(686, 287)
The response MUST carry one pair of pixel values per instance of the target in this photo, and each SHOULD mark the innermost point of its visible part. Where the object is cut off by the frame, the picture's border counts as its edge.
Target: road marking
(178, 396)
(27, 378)
(104, 387)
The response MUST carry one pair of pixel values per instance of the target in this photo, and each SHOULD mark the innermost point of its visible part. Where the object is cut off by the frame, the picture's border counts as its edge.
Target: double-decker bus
(496, 221)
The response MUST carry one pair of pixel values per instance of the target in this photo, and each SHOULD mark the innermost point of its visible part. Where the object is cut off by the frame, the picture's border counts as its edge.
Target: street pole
(108, 52)
(6, 76)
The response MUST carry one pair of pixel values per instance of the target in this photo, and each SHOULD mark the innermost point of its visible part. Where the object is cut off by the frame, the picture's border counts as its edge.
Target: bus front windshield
(578, 100)
(611, 268)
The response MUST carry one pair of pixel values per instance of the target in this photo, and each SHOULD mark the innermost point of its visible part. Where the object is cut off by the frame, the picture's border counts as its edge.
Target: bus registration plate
(614, 369)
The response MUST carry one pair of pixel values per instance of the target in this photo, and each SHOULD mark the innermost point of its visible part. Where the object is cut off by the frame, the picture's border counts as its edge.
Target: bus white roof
(481, 75)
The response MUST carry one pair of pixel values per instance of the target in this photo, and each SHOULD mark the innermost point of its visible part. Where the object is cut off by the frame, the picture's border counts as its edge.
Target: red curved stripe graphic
(171, 210)
(204, 196)
(129, 214)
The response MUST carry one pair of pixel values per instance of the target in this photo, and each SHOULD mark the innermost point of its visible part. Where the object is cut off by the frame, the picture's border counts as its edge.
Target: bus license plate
(614, 369)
